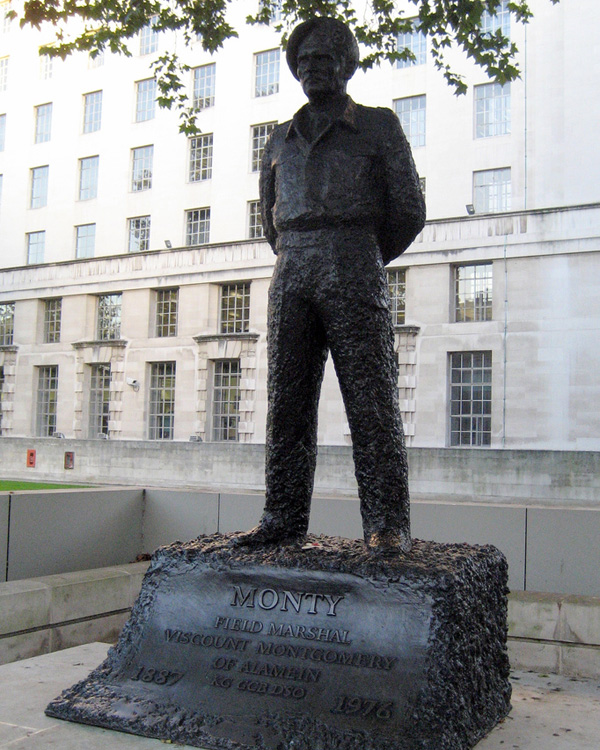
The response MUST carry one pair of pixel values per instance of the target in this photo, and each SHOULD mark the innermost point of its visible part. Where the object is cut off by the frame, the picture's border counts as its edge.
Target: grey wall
(57, 532)
(177, 515)
(4, 504)
(547, 478)
(548, 549)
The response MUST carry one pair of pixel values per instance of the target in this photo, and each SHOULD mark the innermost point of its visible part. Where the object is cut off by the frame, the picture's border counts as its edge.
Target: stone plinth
(326, 647)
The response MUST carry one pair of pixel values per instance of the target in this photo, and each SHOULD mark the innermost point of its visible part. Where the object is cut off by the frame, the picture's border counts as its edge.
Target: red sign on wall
(31, 458)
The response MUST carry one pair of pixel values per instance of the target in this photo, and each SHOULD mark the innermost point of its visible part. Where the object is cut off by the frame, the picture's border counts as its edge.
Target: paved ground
(549, 712)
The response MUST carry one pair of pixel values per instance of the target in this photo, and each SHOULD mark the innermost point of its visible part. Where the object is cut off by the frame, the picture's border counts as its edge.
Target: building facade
(134, 276)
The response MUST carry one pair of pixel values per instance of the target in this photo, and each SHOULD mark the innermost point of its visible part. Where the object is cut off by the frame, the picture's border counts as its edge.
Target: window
(473, 292)
(411, 113)
(145, 99)
(201, 156)
(470, 398)
(99, 400)
(162, 401)
(260, 133)
(492, 190)
(255, 227)
(167, 301)
(95, 60)
(501, 21)
(416, 42)
(5, 19)
(3, 73)
(275, 6)
(204, 86)
(197, 226)
(226, 399)
(47, 397)
(92, 111)
(149, 37)
(52, 320)
(235, 308)
(109, 317)
(7, 323)
(2, 131)
(397, 287)
(36, 243)
(88, 177)
(43, 123)
(46, 67)
(266, 73)
(141, 168)
(139, 234)
(39, 187)
(492, 110)
(85, 241)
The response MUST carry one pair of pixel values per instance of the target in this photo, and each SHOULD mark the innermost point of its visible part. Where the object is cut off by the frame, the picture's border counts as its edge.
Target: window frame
(494, 196)
(88, 177)
(204, 78)
(7, 323)
(85, 241)
(108, 316)
(396, 280)
(202, 233)
(166, 317)
(142, 167)
(39, 178)
(52, 320)
(491, 110)
(92, 111)
(139, 234)
(258, 140)
(225, 417)
(43, 123)
(35, 256)
(415, 41)
(46, 400)
(414, 127)
(470, 287)
(470, 412)
(161, 410)
(200, 160)
(267, 69)
(99, 399)
(145, 99)
(234, 307)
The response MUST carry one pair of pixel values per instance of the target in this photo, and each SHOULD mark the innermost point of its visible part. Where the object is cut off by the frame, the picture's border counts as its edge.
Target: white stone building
(133, 278)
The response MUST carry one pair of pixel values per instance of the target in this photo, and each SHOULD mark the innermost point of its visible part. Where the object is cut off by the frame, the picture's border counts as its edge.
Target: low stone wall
(546, 478)
(51, 613)
(547, 632)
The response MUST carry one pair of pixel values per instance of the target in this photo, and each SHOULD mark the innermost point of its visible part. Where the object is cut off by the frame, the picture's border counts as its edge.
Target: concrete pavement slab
(550, 712)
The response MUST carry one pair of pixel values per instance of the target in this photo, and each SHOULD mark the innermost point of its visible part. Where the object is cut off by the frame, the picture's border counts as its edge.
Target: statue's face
(320, 67)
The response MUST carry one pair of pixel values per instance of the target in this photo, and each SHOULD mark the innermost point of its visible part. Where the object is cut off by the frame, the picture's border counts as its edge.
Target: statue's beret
(343, 42)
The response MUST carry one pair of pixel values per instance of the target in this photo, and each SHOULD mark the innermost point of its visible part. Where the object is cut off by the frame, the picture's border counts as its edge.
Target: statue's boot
(269, 531)
(386, 541)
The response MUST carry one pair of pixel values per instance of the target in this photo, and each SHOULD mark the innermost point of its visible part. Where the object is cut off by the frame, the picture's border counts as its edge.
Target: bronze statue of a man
(340, 198)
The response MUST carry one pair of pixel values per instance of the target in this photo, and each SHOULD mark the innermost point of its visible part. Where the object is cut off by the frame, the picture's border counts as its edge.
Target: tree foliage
(111, 24)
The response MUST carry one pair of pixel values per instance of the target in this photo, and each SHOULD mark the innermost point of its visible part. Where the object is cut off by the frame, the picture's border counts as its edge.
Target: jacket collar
(348, 118)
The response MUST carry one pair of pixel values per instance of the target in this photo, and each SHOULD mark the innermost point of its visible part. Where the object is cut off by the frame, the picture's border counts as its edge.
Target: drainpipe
(504, 344)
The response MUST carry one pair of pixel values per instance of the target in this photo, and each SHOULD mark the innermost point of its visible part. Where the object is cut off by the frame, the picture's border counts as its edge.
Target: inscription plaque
(232, 649)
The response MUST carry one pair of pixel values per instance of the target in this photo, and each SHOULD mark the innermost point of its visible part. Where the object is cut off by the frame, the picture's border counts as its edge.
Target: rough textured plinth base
(321, 648)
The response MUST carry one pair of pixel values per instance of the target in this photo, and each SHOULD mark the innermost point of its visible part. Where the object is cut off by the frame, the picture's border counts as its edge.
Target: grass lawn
(10, 485)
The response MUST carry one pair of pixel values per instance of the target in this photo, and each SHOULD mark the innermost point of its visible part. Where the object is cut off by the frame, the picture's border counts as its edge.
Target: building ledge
(9, 348)
(407, 329)
(118, 343)
(204, 337)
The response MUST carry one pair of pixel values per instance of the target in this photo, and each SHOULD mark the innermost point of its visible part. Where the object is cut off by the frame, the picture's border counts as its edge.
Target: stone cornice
(205, 337)
(117, 343)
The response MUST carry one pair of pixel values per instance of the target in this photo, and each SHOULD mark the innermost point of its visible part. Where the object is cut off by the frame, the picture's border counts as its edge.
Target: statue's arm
(267, 193)
(405, 205)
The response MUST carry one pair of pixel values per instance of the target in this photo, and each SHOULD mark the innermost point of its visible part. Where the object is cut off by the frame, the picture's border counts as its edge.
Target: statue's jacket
(358, 175)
